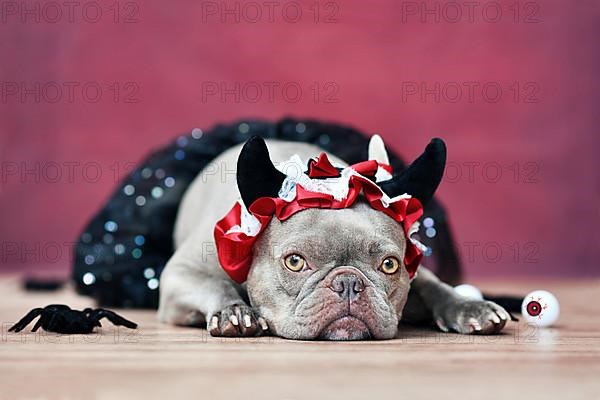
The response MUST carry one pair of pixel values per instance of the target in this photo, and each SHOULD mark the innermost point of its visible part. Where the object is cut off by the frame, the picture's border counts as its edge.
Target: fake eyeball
(541, 308)
(469, 291)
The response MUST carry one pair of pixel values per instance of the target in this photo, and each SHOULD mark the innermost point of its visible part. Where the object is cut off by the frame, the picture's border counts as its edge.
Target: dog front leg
(192, 295)
(450, 311)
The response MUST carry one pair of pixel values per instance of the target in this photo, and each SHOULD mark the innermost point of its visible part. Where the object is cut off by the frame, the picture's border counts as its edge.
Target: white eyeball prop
(469, 291)
(541, 308)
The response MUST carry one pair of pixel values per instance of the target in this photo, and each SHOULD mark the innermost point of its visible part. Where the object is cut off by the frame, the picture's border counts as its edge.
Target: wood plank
(160, 361)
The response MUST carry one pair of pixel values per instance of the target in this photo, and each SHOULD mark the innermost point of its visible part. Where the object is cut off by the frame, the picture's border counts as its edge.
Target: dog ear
(256, 174)
(423, 176)
(377, 150)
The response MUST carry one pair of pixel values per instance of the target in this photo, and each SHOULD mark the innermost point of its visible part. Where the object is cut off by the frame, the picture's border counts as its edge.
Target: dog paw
(237, 320)
(472, 317)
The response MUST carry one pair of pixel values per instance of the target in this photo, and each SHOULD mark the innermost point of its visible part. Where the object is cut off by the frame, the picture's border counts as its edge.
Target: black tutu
(121, 253)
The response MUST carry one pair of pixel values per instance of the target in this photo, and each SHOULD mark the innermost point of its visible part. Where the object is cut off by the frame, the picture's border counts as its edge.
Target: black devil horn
(256, 174)
(423, 176)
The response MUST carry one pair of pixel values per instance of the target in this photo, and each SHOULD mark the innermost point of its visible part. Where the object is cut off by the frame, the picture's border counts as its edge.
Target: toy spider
(60, 318)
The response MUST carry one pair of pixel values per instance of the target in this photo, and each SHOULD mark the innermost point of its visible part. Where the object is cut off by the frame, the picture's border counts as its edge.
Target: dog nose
(347, 286)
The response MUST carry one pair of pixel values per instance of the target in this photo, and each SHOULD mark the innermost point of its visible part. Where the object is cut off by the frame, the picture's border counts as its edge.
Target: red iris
(534, 308)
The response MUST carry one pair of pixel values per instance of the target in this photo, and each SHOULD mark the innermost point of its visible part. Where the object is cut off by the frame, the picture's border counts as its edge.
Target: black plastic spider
(60, 318)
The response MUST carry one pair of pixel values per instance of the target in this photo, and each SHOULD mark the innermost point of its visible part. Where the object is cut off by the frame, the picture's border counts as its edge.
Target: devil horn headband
(268, 192)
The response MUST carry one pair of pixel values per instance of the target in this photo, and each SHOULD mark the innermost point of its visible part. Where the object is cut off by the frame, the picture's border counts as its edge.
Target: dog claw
(263, 324)
(238, 320)
(214, 326)
(474, 325)
(441, 325)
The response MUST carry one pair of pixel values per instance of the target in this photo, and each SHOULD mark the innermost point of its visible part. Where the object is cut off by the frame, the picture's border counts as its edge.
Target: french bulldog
(322, 274)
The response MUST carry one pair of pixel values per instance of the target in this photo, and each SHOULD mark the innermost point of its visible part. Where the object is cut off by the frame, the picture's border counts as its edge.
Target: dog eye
(294, 262)
(390, 265)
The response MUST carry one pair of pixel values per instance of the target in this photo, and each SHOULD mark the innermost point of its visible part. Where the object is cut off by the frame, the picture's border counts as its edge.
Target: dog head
(333, 274)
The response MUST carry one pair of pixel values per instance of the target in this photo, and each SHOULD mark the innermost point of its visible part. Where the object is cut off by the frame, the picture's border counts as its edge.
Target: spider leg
(40, 322)
(26, 320)
(113, 317)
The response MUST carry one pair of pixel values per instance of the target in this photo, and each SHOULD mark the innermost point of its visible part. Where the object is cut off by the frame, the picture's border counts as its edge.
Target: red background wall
(543, 220)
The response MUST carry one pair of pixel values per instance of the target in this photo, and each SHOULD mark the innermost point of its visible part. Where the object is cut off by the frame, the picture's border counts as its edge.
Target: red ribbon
(322, 168)
(234, 249)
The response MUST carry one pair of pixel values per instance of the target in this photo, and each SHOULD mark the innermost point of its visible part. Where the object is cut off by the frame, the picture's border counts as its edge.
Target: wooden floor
(160, 361)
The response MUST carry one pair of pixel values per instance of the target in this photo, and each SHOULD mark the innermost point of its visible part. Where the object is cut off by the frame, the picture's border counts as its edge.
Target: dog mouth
(347, 327)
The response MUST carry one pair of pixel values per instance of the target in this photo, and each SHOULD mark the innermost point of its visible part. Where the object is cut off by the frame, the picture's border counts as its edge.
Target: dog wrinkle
(371, 313)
